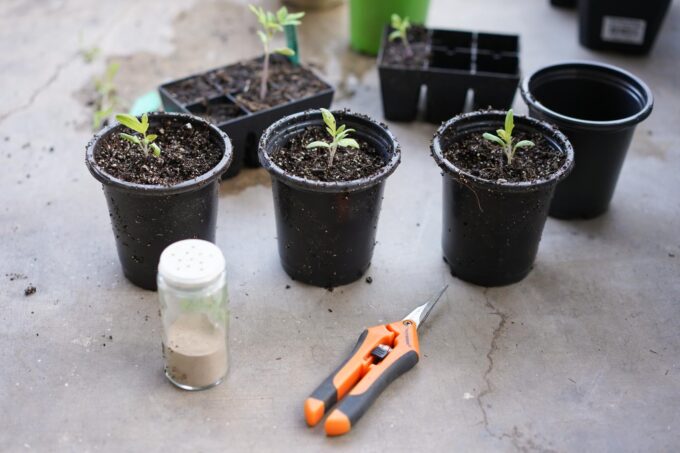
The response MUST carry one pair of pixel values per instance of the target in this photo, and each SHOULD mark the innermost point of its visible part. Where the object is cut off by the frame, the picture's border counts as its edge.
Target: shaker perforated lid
(191, 263)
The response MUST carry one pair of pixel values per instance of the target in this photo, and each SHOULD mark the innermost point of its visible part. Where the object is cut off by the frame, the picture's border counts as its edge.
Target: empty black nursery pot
(490, 229)
(597, 106)
(326, 230)
(148, 218)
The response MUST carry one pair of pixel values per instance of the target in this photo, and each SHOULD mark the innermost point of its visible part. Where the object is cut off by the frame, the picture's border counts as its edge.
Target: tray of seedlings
(449, 63)
(244, 98)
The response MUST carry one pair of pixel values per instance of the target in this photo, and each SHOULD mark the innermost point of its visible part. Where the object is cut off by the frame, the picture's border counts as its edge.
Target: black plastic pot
(597, 106)
(628, 26)
(245, 129)
(491, 230)
(459, 61)
(564, 3)
(148, 218)
(326, 230)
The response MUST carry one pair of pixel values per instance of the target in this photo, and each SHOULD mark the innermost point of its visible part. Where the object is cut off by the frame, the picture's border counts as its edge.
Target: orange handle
(371, 378)
(336, 386)
(376, 378)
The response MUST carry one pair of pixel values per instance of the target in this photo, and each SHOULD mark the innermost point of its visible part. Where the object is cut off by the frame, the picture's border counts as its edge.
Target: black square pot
(458, 62)
(245, 127)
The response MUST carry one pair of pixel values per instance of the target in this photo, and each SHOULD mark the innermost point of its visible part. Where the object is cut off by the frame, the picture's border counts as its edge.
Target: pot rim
(498, 116)
(600, 72)
(329, 186)
(158, 189)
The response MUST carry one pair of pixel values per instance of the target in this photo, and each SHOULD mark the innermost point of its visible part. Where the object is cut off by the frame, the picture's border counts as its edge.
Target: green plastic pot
(368, 19)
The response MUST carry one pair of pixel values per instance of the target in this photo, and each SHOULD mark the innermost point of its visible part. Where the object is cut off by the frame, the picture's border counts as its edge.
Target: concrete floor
(584, 355)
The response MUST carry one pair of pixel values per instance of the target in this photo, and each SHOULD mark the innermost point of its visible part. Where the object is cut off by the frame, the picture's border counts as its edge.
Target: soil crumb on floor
(30, 289)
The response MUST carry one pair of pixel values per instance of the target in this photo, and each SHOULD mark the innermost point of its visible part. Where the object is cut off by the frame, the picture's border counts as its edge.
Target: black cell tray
(486, 63)
(245, 129)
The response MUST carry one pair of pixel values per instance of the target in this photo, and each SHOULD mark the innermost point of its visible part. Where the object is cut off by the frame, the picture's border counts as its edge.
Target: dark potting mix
(187, 151)
(348, 164)
(286, 83)
(413, 56)
(479, 157)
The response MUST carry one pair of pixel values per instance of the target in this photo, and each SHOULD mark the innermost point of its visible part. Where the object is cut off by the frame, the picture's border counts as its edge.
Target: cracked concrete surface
(583, 355)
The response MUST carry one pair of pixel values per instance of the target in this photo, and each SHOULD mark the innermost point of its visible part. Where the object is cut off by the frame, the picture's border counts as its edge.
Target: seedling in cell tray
(271, 24)
(401, 27)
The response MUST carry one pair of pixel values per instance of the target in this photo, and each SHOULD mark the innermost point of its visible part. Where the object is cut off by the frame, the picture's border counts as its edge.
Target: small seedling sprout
(273, 23)
(106, 100)
(339, 136)
(89, 54)
(145, 142)
(505, 139)
(400, 31)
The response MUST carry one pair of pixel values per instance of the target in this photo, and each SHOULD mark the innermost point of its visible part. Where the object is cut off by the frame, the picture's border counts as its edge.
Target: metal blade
(420, 314)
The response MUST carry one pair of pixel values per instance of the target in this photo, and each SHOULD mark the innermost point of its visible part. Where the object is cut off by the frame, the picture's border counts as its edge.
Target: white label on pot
(626, 30)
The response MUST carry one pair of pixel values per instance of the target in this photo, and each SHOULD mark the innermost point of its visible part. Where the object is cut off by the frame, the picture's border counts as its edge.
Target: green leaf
(282, 13)
(296, 16)
(285, 51)
(509, 123)
(493, 138)
(145, 123)
(156, 149)
(348, 142)
(151, 137)
(291, 22)
(340, 129)
(112, 70)
(396, 21)
(318, 144)
(524, 144)
(394, 35)
(259, 13)
(329, 119)
(275, 26)
(129, 121)
(503, 135)
(263, 36)
(130, 138)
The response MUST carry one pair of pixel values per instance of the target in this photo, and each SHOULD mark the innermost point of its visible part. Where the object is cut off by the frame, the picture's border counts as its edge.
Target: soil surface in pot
(217, 113)
(396, 53)
(286, 83)
(348, 164)
(192, 90)
(186, 153)
(486, 160)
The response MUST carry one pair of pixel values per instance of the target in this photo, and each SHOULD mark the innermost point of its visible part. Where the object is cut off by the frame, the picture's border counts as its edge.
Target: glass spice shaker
(192, 287)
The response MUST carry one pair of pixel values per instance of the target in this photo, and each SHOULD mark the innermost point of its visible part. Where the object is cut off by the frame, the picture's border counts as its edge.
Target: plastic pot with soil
(155, 201)
(600, 131)
(449, 63)
(369, 17)
(228, 97)
(327, 208)
(494, 211)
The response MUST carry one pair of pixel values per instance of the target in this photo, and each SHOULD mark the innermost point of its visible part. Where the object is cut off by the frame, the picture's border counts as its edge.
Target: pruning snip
(382, 354)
